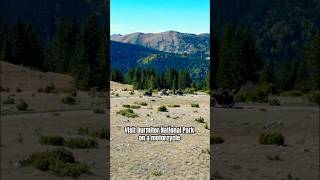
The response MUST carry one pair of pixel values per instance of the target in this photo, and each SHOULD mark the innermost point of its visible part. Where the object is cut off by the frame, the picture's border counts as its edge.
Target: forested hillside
(45, 15)
(273, 44)
(281, 28)
(69, 37)
(125, 56)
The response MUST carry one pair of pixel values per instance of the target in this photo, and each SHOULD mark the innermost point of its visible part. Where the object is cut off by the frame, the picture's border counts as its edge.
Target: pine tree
(313, 60)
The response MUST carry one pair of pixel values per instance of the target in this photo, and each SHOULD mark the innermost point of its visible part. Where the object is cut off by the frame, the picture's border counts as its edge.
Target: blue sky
(188, 16)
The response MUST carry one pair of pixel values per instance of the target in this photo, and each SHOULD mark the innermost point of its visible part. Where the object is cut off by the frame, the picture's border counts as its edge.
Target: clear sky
(151, 16)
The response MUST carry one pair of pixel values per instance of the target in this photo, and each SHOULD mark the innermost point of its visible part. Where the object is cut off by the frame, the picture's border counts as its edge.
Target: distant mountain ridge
(170, 41)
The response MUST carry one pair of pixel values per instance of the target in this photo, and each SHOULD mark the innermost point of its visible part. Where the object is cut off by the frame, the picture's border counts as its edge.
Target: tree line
(78, 50)
(143, 78)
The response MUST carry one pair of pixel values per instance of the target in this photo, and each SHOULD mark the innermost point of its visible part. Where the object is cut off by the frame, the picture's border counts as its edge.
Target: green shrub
(9, 100)
(273, 158)
(156, 173)
(141, 103)
(70, 100)
(22, 106)
(173, 105)
(61, 168)
(274, 102)
(51, 140)
(271, 138)
(314, 97)
(135, 106)
(80, 143)
(101, 133)
(216, 140)
(128, 113)
(259, 93)
(83, 131)
(292, 93)
(199, 120)
(59, 161)
(162, 109)
(195, 105)
(126, 105)
(189, 90)
(99, 111)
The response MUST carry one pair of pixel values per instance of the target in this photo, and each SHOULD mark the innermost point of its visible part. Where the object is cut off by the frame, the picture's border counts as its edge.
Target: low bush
(273, 158)
(22, 106)
(258, 93)
(9, 100)
(195, 105)
(100, 133)
(141, 103)
(70, 100)
(156, 173)
(83, 131)
(128, 113)
(199, 120)
(189, 90)
(99, 111)
(61, 168)
(173, 105)
(80, 143)
(271, 138)
(314, 97)
(52, 140)
(274, 102)
(293, 93)
(216, 140)
(59, 161)
(131, 106)
(162, 109)
(135, 106)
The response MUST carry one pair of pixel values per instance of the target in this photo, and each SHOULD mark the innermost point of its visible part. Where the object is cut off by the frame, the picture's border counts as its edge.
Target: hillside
(169, 41)
(282, 28)
(45, 15)
(125, 56)
(14, 76)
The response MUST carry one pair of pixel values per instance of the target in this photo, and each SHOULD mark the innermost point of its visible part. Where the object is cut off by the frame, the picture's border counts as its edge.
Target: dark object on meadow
(148, 93)
(271, 138)
(164, 92)
(180, 93)
(225, 99)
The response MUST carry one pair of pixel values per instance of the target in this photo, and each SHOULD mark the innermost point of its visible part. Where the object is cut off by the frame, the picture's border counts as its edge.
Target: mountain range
(170, 41)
